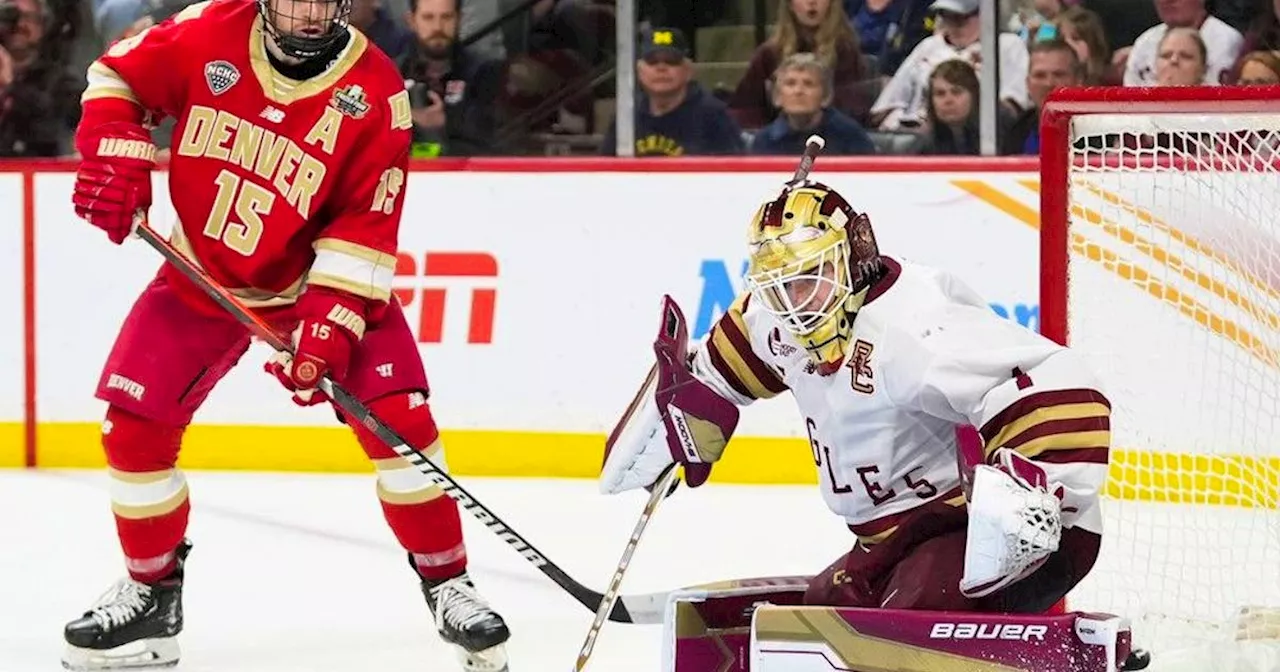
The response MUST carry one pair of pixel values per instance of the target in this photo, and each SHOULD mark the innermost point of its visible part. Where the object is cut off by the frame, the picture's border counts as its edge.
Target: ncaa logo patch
(350, 100)
(220, 76)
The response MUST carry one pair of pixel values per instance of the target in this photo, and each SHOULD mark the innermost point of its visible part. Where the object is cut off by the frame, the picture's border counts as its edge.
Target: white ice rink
(299, 572)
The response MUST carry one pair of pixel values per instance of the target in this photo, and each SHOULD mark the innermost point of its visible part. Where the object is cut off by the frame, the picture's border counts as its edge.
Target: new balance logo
(384, 370)
(416, 400)
(272, 114)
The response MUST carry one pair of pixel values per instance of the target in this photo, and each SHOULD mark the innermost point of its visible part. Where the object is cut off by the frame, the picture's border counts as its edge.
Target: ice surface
(299, 572)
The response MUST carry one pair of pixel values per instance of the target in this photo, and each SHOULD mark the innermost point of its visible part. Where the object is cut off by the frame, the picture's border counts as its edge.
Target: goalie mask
(304, 29)
(813, 260)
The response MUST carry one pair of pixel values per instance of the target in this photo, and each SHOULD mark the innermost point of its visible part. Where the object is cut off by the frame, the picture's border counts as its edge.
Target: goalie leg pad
(423, 518)
(706, 627)
(829, 638)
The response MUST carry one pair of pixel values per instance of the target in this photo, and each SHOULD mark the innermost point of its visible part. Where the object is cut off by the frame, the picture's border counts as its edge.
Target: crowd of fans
(519, 77)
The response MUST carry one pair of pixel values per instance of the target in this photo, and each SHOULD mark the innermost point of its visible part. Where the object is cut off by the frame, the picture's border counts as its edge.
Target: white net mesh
(1173, 291)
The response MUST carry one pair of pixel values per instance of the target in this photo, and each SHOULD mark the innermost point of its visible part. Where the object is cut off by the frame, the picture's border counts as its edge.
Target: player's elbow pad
(98, 111)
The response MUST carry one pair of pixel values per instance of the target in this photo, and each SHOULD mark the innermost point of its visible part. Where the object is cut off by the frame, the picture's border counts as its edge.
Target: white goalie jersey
(926, 354)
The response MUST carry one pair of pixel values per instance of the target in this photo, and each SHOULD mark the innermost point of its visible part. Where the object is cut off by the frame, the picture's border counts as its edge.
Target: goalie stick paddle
(628, 609)
(660, 491)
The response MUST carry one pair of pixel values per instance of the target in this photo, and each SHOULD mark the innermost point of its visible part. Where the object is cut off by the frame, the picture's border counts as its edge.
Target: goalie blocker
(760, 625)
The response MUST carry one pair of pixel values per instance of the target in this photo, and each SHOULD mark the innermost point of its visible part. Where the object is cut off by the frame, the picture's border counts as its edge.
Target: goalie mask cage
(1160, 262)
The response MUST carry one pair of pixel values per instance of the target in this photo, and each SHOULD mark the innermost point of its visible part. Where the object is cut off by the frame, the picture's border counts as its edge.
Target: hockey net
(1161, 263)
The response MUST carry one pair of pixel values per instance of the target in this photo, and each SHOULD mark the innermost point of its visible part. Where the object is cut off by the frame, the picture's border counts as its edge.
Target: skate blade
(492, 659)
(145, 654)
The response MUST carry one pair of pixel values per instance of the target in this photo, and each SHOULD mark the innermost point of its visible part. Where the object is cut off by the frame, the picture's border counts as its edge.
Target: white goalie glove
(1015, 523)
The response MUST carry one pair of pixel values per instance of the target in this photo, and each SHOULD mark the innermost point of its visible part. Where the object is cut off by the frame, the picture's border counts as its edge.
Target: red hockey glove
(114, 179)
(330, 324)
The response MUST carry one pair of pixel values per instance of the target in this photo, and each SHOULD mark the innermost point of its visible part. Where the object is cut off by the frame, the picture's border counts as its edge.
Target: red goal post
(1065, 105)
(1160, 263)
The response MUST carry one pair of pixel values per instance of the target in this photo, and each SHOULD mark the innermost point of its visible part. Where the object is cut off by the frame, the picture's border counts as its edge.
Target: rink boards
(534, 290)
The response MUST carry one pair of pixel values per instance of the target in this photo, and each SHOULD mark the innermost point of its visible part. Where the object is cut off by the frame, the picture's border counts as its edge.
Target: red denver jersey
(277, 183)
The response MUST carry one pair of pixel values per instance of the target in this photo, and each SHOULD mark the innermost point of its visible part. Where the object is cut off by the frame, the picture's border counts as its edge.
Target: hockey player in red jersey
(287, 177)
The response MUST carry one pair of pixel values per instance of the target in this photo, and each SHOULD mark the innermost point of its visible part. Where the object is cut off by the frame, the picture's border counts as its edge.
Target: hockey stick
(661, 489)
(812, 147)
(632, 609)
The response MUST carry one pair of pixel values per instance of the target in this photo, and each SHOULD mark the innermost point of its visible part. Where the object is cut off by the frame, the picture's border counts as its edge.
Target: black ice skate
(132, 626)
(465, 620)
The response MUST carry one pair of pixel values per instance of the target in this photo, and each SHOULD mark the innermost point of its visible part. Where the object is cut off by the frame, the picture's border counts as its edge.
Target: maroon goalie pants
(919, 567)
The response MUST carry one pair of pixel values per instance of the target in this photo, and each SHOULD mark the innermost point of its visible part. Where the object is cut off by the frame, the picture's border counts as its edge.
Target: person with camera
(453, 93)
(39, 98)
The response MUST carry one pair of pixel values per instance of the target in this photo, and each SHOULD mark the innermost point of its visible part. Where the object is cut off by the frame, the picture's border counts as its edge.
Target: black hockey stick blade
(634, 609)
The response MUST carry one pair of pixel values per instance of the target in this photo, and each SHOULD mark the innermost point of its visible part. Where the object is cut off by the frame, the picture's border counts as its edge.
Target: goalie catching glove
(329, 325)
(1015, 522)
(674, 418)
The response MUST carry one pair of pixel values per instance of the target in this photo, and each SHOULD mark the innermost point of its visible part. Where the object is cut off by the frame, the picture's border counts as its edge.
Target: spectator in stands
(1181, 58)
(1041, 23)
(1082, 29)
(802, 91)
(674, 115)
(953, 110)
(903, 103)
(889, 29)
(1262, 35)
(1053, 65)
(1260, 68)
(550, 82)
(39, 97)
(474, 17)
(454, 93)
(111, 18)
(816, 26)
(372, 18)
(1222, 42)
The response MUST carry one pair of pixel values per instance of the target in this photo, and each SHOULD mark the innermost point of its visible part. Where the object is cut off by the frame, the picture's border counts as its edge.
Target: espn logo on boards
(455, 270)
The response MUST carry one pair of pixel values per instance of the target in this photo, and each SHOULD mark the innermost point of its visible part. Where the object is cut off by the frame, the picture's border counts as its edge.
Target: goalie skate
(132, 626)
(467, 622)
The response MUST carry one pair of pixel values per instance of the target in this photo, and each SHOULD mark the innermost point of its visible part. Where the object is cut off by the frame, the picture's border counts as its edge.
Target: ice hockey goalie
(892, 365)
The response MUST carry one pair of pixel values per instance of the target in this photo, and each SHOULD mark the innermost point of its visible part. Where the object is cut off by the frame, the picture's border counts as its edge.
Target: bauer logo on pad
(221, 76)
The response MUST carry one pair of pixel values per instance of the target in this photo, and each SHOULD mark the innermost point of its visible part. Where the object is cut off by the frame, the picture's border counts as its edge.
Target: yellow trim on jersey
(739, 359)
(280, 89)
(1057, 440)
(352, 268)
(251, 297)
(104, 82)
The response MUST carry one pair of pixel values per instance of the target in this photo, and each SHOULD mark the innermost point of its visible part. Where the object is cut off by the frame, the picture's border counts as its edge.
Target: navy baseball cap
(663, 40)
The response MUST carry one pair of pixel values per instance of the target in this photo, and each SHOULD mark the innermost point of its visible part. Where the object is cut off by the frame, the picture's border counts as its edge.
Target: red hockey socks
(148, 494)
(421, 515)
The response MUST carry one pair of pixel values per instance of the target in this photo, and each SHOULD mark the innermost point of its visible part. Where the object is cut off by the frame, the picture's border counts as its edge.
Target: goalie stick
(812, 147)
(628, 609)
(663, 488)
(667, 483)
